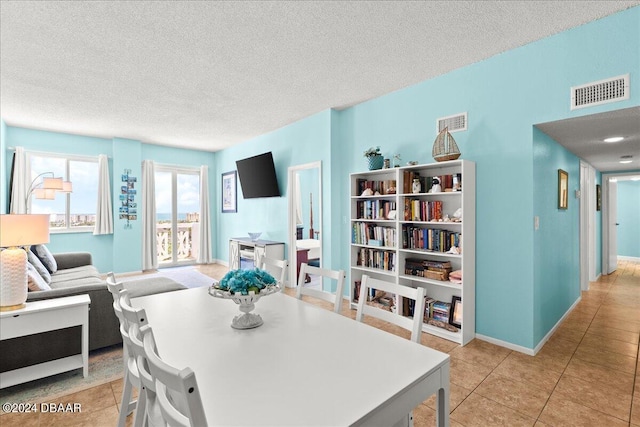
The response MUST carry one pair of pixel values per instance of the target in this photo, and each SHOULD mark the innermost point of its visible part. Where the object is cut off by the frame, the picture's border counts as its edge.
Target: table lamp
(17, 231)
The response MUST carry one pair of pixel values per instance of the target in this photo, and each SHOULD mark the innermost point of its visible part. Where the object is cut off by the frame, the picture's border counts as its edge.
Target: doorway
(177, 193)
(305, 218)
(610, 218)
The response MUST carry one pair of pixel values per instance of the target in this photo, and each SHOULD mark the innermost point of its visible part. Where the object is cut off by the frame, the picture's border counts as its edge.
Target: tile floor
(587, 374)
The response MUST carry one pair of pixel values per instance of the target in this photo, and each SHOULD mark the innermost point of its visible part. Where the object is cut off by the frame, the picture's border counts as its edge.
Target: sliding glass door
(177, 215)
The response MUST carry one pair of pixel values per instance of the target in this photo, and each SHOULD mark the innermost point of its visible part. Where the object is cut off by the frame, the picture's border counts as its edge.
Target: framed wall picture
(598, 197)
(229, 192)
(455, 314)
(563, 189)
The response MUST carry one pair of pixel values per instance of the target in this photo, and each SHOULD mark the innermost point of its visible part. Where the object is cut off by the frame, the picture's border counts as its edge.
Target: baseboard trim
(629, 258)
(555, 327)
(506, 344)
(526, 350)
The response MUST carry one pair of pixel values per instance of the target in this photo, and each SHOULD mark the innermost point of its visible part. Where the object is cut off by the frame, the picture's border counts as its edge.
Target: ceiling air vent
(455, 123)
(600, 92)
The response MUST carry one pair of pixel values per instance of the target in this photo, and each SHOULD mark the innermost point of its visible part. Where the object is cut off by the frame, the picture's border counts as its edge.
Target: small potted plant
(374, 158)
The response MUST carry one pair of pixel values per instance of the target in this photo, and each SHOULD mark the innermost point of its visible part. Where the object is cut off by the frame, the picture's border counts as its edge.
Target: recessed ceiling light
(626, 159)
(614, 139)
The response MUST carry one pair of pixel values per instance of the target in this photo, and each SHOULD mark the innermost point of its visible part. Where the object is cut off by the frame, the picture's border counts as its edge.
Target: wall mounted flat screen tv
(257, 176)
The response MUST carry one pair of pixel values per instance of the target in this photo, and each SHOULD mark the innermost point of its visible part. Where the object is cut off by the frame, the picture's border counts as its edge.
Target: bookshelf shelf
(431, 281)
(420, 237)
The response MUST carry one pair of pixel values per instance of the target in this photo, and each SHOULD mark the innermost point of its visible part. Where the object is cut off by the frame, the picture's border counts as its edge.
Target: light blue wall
(557, 241)
(305, 141)
(504, 96)
(122, 251)
(628, 218)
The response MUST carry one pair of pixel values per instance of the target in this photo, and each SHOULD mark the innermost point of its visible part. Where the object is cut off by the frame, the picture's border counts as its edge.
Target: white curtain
(104, 211)
(18, 204)
(204, 251)
(149, 239)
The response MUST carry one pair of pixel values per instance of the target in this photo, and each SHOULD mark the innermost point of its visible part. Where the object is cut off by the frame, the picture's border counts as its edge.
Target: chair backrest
(137, 318)
(417, 294)
(177, 391)
(277, 268)
(337, 275)
(114, 286)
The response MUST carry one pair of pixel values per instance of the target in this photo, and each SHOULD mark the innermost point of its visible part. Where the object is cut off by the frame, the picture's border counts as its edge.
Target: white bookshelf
(383, 252)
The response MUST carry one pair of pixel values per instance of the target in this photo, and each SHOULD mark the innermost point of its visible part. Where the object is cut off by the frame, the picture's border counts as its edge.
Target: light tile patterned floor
(587, 374)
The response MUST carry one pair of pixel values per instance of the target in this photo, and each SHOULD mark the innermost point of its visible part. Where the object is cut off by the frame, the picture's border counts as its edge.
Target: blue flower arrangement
(244, 281)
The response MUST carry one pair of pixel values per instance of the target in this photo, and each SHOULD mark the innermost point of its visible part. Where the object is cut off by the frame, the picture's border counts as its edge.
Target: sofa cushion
(77, 276)
(45, 256)
(35, 282)
(42, 270)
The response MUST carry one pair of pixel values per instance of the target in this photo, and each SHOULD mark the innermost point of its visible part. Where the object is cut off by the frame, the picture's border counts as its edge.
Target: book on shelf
(363, 233)
(376, 259)
(440, 311)
(430, 239)
(437, 270)
(374, 209)
(382, 186)
(422, 210)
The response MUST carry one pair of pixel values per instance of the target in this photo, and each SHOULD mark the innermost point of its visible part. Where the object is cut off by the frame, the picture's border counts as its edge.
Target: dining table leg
(442, 398)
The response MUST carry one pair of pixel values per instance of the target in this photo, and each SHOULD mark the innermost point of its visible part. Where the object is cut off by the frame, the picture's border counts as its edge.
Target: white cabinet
(244, 252)
(43, 316)
(406, 237)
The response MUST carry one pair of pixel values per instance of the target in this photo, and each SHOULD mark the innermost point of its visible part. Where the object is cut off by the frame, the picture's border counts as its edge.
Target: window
(69, 211)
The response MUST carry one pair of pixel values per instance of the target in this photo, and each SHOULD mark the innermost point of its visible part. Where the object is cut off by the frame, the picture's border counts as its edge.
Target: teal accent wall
(629, 218)
(556, 280)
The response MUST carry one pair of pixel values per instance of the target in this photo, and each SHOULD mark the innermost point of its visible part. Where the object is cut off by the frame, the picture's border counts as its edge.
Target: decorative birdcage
(445, 147)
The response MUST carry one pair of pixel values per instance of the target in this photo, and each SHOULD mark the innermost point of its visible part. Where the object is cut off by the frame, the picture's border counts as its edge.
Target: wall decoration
(128, 207)
(229, 192)
(455, 314)
(598, 197)
(563, 189)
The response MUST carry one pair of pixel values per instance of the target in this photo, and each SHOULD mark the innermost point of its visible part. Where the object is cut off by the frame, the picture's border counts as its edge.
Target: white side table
(43, 316)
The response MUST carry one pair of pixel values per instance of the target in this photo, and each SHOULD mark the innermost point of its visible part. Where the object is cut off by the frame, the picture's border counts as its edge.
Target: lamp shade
(67, 187)
(52, 183)
(23, 230)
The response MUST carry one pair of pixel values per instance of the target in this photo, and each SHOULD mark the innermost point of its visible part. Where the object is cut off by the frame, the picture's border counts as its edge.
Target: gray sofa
(76, 275)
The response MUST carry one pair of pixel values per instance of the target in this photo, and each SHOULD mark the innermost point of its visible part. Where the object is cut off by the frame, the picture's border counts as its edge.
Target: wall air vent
(455, 123)
(600, 92)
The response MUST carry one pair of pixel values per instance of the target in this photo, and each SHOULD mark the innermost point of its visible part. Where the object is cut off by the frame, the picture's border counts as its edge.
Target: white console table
(251, 250)
(43, 316)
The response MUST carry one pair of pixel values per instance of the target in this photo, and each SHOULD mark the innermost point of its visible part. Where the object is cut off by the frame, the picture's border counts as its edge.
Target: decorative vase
(375, 162)
(246, 304)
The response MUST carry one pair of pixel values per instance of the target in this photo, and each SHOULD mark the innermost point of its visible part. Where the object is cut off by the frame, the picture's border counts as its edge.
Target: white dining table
(305, 366)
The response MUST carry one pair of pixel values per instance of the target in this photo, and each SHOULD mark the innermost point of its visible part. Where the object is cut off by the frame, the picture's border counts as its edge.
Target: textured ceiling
(208, 75)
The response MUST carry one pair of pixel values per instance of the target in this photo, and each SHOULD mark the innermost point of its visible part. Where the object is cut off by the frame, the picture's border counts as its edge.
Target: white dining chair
(417, 294)
(337, 275)
(276, 267)
(177, 391)
(137, 319)
(131, 377)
